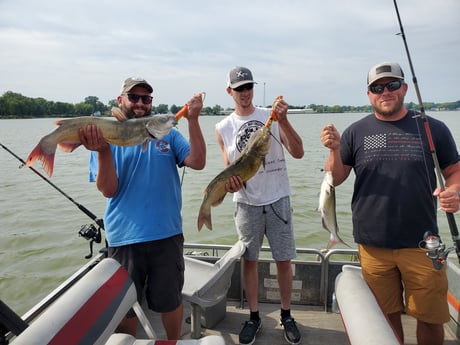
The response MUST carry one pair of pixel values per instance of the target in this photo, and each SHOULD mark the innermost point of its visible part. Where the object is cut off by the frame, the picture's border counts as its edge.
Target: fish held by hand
(327, 207)
(246, 166)
(132, 132)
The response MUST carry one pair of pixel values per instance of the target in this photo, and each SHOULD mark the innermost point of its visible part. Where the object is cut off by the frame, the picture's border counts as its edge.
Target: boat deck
(317, 326)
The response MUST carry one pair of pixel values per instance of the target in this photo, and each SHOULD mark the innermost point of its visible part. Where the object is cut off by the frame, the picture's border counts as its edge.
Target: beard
(388, 112)
(131, 114)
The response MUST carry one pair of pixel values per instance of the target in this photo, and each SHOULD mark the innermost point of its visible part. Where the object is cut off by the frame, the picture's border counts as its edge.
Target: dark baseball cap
(239, 76)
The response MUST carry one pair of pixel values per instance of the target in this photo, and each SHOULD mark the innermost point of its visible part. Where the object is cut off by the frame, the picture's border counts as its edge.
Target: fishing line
(98, 221)
(450, 216)
(89, 232)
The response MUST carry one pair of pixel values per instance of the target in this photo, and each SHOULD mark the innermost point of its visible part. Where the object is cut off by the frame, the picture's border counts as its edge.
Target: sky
(309, 51)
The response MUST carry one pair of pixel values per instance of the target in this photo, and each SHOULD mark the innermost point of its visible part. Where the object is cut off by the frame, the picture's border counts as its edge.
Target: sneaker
(249, 331)
(291, 332)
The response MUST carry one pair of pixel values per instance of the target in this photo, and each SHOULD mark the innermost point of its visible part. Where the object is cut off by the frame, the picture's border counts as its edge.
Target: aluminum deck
(317, 326)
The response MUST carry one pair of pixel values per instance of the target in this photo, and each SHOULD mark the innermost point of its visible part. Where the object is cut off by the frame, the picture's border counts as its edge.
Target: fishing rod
(89, 232)
(438, 255)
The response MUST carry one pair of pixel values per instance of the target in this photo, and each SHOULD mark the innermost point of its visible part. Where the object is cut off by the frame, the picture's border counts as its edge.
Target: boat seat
(363, 319)
(207, 284)
(125, 339)
(89, 312)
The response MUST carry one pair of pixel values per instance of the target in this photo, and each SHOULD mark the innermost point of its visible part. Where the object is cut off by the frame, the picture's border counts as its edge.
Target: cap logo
(241, 74)
(383, 69)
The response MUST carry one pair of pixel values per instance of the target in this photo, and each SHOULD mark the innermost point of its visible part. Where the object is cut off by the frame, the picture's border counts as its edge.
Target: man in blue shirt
(143, 216)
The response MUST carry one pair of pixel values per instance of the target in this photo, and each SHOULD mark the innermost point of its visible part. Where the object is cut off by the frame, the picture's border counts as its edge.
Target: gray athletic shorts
(156, 267)
(274, 221)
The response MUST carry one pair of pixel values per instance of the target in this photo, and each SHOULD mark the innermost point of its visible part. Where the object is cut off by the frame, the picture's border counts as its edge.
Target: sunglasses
(133, 98)
(391, 86)
(241, 88)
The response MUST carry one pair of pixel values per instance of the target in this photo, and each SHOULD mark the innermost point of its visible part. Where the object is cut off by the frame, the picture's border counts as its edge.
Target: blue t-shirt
(393, 203)
(147, 204)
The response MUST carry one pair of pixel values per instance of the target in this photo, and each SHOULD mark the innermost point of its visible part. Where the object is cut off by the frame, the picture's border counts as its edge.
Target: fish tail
(204, 217)
(334, 239)
(333, 242)
(47, 159)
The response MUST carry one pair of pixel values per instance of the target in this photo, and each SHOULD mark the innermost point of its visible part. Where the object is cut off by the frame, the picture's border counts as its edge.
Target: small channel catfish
(327, 207)
(246, 166)
(131, 132)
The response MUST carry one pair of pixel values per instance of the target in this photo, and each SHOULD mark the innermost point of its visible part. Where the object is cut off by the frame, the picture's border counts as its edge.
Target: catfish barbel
(132, 132)
(246, 166)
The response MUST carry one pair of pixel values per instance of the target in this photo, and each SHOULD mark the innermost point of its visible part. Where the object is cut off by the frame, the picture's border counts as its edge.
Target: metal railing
(323, 257)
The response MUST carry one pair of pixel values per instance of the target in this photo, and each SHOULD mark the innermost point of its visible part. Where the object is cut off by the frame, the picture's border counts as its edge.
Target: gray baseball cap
(131, 82)
(239, 76)
(384, 70)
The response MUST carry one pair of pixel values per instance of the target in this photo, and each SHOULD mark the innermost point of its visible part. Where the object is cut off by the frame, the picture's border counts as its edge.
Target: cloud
(315, 51)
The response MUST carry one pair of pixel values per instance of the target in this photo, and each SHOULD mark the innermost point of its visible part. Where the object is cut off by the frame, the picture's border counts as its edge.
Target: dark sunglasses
(241, 88)
(133, 98)
(391, 86)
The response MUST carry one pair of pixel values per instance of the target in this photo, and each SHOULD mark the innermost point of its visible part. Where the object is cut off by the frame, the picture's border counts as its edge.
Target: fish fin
(46, 159)
(204, 217)
(145, 144)
(68, 146)
(218, 201)
(323, 222)
(118, 114)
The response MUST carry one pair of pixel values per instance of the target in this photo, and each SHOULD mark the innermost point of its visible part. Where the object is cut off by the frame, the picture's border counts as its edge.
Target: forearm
(197, 157)
(106, 180)
(452, 177)
(335, 165)
(291, 139)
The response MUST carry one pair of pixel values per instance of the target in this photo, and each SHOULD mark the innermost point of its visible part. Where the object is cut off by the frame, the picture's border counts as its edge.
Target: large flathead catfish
(246, 166)
(132, 132)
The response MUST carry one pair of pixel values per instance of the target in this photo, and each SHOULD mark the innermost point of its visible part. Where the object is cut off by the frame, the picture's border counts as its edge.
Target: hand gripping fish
(131, 132)
(327, 208)
(246, 166)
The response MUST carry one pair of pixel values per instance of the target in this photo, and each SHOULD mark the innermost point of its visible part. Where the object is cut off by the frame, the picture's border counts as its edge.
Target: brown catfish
(131, 132)
(246, 166)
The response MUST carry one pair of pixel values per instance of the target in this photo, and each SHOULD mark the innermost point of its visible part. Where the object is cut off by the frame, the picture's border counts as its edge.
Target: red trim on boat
(80, 324)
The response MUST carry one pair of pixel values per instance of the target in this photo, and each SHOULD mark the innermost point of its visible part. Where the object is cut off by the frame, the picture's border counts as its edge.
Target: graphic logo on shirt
(245, 133)
(377, 141)
(162, 146)
(393, 146)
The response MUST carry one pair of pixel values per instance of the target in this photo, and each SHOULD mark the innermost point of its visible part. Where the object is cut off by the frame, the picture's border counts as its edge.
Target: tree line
(15, 105)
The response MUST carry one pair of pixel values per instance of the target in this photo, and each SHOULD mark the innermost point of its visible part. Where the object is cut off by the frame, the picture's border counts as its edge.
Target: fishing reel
(92, 234)
(435, 249)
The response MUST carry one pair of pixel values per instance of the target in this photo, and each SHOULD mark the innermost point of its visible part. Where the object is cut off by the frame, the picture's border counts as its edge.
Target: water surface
(40, 246)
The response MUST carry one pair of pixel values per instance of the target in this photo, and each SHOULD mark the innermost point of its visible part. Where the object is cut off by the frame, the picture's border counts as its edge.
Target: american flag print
(393, 146)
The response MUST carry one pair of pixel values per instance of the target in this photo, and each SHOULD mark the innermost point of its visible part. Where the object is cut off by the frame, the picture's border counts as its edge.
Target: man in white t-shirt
(263, 204)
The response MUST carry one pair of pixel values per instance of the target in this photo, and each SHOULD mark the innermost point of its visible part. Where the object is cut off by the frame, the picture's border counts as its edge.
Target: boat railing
(330, 265)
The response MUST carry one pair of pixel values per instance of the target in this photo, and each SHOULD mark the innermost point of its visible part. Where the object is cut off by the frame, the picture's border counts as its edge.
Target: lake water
(40, 246)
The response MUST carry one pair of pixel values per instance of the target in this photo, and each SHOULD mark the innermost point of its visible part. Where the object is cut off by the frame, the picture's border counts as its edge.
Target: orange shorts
(405, 279)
